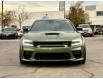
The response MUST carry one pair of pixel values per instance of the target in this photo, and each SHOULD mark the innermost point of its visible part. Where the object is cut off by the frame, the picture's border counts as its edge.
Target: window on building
(99, 13)
(90, 7)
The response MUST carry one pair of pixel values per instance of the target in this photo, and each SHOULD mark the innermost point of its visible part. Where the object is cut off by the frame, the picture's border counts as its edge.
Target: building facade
(95, 13)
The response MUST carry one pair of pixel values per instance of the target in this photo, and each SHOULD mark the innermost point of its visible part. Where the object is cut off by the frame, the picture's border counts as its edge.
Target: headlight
(76, 42)
(27, 42)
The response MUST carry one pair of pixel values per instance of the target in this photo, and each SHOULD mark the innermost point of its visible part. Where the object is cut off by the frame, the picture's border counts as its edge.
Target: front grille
(85, 30)
(52, 46)
(52, 56)
(52, 43)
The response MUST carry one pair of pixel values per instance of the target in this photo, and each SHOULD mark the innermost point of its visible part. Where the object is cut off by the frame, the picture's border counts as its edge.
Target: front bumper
(76, 53)
(8, 36)
(86, 34)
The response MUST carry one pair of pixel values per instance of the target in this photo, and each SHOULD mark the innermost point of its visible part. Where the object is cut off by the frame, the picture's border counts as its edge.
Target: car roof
(10, 28)
(52, 19)
(84, 24)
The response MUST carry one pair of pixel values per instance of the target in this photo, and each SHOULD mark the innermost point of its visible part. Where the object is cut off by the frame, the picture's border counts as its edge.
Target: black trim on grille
(52, 46)
(52, 43)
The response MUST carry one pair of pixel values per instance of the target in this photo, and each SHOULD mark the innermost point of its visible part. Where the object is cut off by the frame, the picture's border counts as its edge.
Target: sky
(39, 6)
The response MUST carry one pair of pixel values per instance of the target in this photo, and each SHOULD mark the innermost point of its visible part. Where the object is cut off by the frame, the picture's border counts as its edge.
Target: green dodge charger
(52, 40)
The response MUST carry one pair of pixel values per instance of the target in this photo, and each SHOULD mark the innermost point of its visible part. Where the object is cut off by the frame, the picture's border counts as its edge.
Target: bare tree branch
(21, 15)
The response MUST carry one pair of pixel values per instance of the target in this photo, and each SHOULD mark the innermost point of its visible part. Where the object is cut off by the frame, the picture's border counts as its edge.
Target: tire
(92, 35)
(22, 62)
(15, 37)
(84, 60)
(2, 37)
(20, 58)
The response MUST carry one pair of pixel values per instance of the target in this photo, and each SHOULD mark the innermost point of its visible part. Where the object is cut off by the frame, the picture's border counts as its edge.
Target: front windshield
(52, 25)
(0, 31)
(9, 30)
(84, 26)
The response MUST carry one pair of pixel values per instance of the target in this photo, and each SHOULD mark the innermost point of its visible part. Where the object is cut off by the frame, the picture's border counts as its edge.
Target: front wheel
(84, 60)
(20, 57)
(91, 35)
(22, 62)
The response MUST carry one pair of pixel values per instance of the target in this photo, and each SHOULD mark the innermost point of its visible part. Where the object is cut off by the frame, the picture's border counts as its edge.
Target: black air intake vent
(51, 33)
(52, 56)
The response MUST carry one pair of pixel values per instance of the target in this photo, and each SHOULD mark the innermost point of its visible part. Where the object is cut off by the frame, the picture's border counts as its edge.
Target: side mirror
(18, 29)
(25, 30)
(79, 29)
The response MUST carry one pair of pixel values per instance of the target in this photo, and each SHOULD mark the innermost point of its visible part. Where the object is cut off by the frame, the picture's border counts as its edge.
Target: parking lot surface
(11, 67)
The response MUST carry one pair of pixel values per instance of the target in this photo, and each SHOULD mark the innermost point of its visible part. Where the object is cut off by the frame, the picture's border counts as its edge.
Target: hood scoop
(52, 33)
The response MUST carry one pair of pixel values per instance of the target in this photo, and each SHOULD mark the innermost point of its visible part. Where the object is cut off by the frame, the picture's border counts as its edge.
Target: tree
(8, 18)
(73, 15)
(21, 15)
(76, 15)
(87, 18)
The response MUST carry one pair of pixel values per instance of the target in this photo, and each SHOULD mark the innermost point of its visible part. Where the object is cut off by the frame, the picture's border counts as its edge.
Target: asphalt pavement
(10, 66)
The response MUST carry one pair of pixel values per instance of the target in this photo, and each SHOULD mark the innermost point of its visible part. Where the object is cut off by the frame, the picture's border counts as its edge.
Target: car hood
(52, 36)
(86, 28)
(8, 33)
